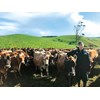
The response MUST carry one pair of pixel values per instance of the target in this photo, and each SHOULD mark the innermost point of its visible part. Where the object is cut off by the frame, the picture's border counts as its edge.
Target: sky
(49, 23)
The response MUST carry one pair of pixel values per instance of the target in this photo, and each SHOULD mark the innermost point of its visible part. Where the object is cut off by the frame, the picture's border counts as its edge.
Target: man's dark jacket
(83, 61)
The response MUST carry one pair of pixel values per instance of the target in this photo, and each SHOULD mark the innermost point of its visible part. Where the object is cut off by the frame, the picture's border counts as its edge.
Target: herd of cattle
(29, 61)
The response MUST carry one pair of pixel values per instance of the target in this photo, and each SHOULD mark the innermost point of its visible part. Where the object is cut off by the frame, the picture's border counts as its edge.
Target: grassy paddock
(24, 41)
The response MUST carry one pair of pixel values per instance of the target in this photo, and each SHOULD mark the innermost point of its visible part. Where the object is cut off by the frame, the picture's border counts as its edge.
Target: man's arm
(71, 53)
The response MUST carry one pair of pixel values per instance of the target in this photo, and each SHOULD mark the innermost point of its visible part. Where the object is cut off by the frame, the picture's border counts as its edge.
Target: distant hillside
(21, 41)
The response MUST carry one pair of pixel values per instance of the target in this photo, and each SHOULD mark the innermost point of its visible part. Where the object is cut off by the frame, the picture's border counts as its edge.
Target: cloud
(76, 17)
(45, 33)
(18, 17)
(92, 28)
(41, 32)
(7, 28)
(6, 25)
(23, 22)
(23, 17)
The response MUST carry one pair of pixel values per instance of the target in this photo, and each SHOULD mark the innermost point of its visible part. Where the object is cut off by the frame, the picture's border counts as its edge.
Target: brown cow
(93, 56)
(98, 58)
(17, 60)
(4, 66)
(60, 61)
(66, 66)
(41, 61)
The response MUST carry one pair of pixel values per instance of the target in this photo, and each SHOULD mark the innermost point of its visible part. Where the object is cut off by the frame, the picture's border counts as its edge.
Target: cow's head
(46, 60)
(53, 59)
(22, 57)
(28, 61)
(6, 58)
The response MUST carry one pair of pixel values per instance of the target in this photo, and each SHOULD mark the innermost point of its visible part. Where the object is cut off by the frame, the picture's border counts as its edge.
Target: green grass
(21, 41)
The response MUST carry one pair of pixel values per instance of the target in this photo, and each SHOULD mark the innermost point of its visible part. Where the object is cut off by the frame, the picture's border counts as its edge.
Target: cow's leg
(78, 83)
(84, 83)
(58, 71)
(16, 73)
(41, 72)
(19, 68)
(92, 69)
(5, 77)
(47, 71)
(1, 79)
(69, 80)
(71, 83)
(36, 69)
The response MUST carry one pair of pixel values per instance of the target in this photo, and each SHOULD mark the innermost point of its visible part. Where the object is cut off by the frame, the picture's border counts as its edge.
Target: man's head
(80, 45)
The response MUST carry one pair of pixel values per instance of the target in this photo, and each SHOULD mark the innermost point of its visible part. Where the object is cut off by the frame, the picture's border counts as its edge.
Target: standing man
(83, 64)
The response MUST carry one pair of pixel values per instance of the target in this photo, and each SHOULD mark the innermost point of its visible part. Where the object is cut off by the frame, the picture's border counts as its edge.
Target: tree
(78, 30)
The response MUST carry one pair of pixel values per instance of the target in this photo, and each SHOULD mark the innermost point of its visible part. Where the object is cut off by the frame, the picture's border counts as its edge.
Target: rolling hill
(23, 41)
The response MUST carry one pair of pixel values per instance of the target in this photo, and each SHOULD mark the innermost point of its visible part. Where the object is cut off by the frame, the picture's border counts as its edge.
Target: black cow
(69, 70)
